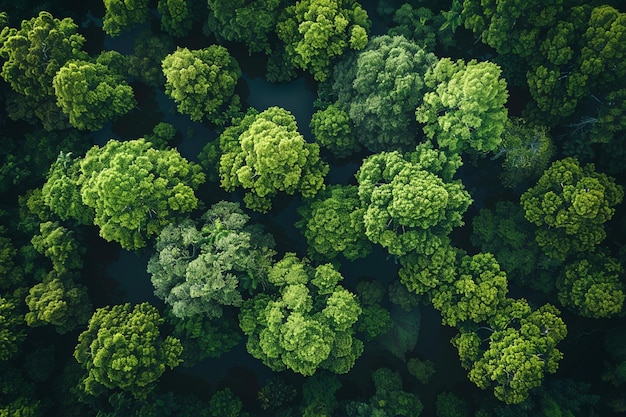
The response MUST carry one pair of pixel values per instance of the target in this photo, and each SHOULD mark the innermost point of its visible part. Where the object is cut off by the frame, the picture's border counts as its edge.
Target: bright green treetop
(136, 190)
(123, 349)
(309, 325)
(521, 349)
(59, 302)
(475, 294)
(197, 270)
(316, 32)
(380, 90)
(33, 55)
(121, 15)
(593, 286)
(269, 156)
(411, 202)
(333, 224)
(464, 107)
(91, 94)
(570, 204)
(333, 130)
(247, 21)
(422, 273)
(202, 82)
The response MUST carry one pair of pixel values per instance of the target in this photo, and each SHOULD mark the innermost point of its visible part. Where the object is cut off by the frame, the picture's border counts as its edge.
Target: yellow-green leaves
(202, 83)
(268, 156)
(123, 349)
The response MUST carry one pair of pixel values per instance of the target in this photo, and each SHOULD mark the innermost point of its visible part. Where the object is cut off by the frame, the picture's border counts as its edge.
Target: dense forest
(312, 208)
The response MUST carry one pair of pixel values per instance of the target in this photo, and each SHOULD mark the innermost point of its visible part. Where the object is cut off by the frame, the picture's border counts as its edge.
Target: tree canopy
(570, 204)
(123, 349)
(380, 88)
(309, 325)
(264, 153)
(202, 82)
(136, 190)
(198, 269)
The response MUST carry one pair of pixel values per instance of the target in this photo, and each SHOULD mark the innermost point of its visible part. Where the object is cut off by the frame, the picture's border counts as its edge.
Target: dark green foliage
(505, 232)
(12, 333)
(247, 21)
(450, 405)
(148, 53)
(593, 286)
(375, 320)
(527, 151)
(332, 223)
(318, 394)
(570, 204)
(121, 15)
(123, 349)
(60, 245)
(176, 16)
(224, 403)
(198, 269)
(380, 88)
(390, 396)
(276, 393)
(423, 371)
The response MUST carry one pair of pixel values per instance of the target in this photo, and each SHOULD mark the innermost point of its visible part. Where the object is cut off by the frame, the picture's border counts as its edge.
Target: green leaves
(91, 94)
(265, 155)
(202, 83)
(308, 325)
(123, 349)
(570, 203)
(121, 15)
(407, 205)
(136, 190)
(464, 108)
(318, 31)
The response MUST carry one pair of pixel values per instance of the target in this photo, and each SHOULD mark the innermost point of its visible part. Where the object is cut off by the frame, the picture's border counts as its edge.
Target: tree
(308, 325)
(121, 15)
(264, 154)
(61, 191)
(12, 332)
(136, 190)
(464, 107)
(176, 16)
(570, 204)
(316, 32)
(33, 55)
(411, 202)
(592, 286)
(91, 94)
(450, 405)
(475, 294)
(422, 273)
(123, 349)
(380, 88)
(505, 232)
(521, 349)
(59, 302)
(248, 21)
(59, 245)
(391, 398)
(202, 83)
(148, 53)
(332, 223)
(332, 129)
(197, 270)
(527, 151)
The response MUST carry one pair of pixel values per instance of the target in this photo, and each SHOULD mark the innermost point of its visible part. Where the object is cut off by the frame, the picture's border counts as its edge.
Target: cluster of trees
(487, 182)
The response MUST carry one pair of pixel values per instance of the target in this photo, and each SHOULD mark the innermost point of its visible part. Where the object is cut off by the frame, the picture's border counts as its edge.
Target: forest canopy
(312, 208)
